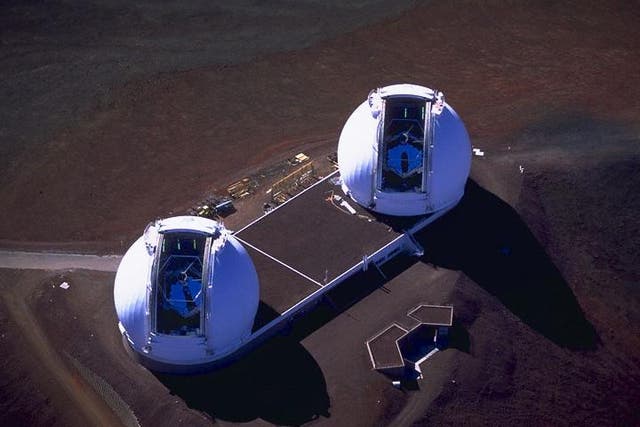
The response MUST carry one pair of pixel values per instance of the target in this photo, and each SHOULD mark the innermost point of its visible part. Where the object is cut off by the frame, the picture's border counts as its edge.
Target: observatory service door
(178, 283)
(403, 151)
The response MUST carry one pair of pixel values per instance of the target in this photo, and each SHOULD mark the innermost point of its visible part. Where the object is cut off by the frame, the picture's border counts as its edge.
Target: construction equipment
(285, 187)
(241, 189)
(214, 207)
(333, 159)
(298, 159)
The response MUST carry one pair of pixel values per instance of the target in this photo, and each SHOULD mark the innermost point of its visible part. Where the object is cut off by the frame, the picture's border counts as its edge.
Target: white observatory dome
(404, 151)
(186, 294)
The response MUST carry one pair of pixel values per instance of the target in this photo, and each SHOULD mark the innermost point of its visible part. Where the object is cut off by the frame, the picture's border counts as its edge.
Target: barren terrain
(113, 115)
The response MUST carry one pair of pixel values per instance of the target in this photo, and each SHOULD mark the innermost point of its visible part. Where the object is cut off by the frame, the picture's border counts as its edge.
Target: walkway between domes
(313, 242)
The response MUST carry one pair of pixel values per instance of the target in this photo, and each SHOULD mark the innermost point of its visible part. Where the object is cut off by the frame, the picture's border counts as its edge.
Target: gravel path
(57, 261)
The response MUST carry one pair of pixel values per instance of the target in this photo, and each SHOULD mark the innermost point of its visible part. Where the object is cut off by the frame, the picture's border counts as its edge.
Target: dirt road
(57, 261)
(85, 398)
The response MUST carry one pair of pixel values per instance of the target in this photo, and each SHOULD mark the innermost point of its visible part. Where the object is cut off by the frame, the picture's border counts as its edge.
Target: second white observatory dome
(404, 151)
(186, 294)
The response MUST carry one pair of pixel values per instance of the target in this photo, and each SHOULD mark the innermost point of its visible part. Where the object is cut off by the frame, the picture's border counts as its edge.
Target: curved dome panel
(234, 297)
(186, 294)
(404, 151)
(451, 161)
(130, 292)
(356, 154)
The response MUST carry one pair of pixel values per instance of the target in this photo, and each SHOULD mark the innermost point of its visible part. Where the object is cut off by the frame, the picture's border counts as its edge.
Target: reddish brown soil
(551, 88)
(153, 148)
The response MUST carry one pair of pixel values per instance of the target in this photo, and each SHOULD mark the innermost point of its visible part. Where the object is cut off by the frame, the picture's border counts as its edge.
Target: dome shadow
(279, 382)
(486, 239)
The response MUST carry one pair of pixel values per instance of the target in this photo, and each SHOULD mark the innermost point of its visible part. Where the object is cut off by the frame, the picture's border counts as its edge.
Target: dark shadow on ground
(264, 315)
(486, 239)
(459, 338)
(279, 382)
(348, 293)
(398, 223)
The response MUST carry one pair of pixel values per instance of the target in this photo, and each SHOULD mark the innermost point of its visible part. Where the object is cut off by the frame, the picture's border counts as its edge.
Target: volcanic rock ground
(116, 113)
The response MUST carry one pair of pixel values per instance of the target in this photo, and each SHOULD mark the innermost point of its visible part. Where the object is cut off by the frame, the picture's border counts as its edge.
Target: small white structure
(186, 294)
(404, 151)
